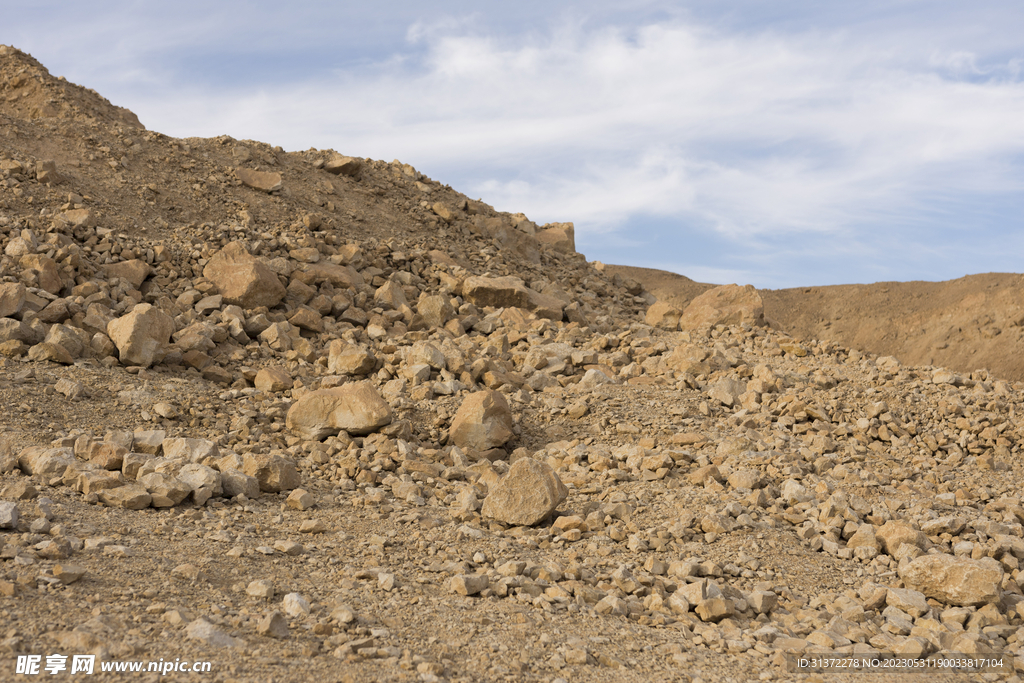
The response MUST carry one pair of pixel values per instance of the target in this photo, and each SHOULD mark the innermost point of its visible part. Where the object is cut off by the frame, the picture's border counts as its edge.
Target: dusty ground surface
(732, 496)
(966, 324)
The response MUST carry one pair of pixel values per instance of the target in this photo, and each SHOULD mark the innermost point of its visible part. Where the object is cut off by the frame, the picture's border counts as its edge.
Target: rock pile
(350, 411)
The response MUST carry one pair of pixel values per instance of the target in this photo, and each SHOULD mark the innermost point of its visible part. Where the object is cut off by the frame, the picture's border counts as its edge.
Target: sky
(782, 144)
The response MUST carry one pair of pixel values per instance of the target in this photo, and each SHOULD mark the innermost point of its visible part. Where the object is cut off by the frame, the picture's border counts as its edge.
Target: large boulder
(243, 279)
(357, 408)
(528, 494)
(955, 580)
(483, 421)
(558, 236)
(265, 181)
(134, 271)
(141, 336)
(725, 305)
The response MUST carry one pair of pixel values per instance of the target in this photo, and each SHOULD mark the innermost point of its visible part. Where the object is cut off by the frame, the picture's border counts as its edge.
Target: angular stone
(863, 537)
(300, 499)
(68, 573)
(260, 180)
(435, 309)
(469, 584)
(349, 359)
(725, 305)
(205, 632)
(274, 472)
(483, 421)
(663, 315)
(142, 335)
(190, 450)
(527, 494)
(44, 270)
(342, 165)
(274, 378)
(148, 441)
(46, 462)
(688, 358)
(134, 271)
(715, 609)
(955, 580)
(131, 496)
(893, 534)
(202, 480)
(295, 605)
(166, 490)
(273, 625)
(243, 279)
(727, 391)
(9, 515)
(427, 354)
(910, 601)
(356, 408)
(235, 482)
(558, 236)
(48, 351)
(12, 298)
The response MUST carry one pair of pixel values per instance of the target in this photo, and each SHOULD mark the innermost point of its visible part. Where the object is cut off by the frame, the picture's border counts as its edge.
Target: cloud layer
(785, 157)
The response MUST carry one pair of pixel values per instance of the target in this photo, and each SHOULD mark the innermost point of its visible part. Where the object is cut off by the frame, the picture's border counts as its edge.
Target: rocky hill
(299, 414)
(972, 323)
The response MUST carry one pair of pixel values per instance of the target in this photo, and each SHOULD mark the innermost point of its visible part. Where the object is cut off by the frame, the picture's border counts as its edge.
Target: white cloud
(756, 133)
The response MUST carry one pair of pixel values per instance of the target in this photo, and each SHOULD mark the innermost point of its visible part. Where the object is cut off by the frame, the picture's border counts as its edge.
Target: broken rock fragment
(357, 408)
(955, 580)
(243, 279)
(142, 335)
(526, 495)
(483, 421)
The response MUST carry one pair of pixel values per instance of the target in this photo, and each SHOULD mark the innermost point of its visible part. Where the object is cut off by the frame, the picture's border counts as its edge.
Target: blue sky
(775, 143)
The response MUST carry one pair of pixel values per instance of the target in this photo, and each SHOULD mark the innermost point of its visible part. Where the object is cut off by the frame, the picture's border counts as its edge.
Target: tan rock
(131, 496)
(435, 309)
(134, 271)
(259, 180)
(342, 165)
(663, 315)
(509, 291)
(688, 358)
(235, 482)
(349, 359)
(955, 580)
(166, 490)
(142, 335)
(893, 534)
(300, 499)
(274, 378)
(12, 298)
(274, 472)
(273, 625)
(469, 584)
(44, 270)
(726, 305)
(50, 352)
(243, 279)
(483, 421)
(526, 495)
(356, 408)
(558, 236)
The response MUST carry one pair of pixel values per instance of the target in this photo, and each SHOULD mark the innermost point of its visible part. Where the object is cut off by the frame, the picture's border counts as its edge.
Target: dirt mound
(971, 323)
(301, 415)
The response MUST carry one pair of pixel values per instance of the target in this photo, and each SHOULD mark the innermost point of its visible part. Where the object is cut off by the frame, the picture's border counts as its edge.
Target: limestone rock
(274, 378)
(663, 315)
(342, 165)
(243, 279)
(356, 408)
(44, 271)
(469, 584)
(527, 494)
(483, 421)
(893, 534)
(142, 335)
(9, 515)
(205, 632)
(688, 358)
(273, 472)
(349, 359)
(134, 271)
(131, 496)
(260, 180)
(558, 236)
(12, 298)
(955, 580)
(273, 625)
(725, 305)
